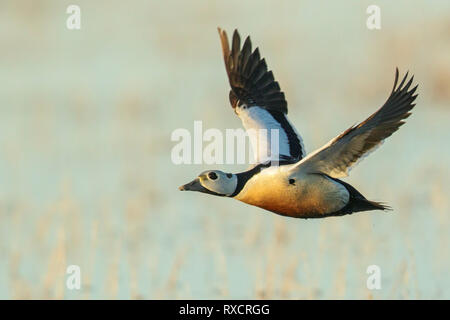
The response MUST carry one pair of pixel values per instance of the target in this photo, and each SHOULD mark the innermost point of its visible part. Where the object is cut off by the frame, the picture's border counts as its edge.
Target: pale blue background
(85, 170)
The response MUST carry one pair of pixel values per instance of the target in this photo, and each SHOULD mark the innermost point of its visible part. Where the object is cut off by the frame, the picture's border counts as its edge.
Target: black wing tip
(402, 86)
(398, 105)
(222, 32)
(236, 35)
(404, 93)
(247, 42)
(249, 77)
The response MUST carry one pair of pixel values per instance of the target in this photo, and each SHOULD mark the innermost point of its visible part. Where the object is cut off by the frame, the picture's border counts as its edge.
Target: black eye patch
(229, 175)
(212, 175)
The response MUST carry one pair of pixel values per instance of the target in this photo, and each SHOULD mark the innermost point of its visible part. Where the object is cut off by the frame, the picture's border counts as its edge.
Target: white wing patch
(267, 137)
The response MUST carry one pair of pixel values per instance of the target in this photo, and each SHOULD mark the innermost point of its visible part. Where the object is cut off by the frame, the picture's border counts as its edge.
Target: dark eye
(229, 175)
(291, 181)
(212, 175)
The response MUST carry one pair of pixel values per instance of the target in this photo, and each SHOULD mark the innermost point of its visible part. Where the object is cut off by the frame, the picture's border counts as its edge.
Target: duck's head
(213, 182)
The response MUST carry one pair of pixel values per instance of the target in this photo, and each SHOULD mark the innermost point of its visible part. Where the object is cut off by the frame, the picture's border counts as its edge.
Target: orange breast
(313, 196)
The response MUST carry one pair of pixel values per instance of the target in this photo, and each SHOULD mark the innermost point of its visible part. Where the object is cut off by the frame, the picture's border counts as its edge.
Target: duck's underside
(317, 196)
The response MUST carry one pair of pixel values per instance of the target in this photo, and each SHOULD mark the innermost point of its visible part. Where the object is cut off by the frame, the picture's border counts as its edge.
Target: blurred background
(86, 176)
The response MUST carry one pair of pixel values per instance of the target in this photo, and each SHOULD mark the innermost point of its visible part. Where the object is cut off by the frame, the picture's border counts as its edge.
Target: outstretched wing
(340, 154)
(258, 101)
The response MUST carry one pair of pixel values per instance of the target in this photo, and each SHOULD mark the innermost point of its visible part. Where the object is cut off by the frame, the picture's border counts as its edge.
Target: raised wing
(340, 154)
(259, 102)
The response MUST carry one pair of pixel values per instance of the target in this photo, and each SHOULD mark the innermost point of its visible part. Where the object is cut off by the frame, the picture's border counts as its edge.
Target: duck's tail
(358, 202)
(366, 205)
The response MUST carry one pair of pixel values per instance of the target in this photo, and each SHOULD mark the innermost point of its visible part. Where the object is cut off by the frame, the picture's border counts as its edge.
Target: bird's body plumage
(306, 196)
(299, 185)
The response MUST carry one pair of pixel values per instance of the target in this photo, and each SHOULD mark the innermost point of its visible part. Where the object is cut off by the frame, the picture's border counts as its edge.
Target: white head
(213, 182)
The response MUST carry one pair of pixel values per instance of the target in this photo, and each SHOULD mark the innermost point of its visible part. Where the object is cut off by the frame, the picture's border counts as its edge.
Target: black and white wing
(260, 104)
(340, 154)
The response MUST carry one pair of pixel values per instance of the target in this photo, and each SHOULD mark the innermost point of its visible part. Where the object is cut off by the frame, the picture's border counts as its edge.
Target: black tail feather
(358, 202)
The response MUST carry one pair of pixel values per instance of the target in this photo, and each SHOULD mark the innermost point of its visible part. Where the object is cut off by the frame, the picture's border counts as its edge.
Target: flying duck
(298, 185)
